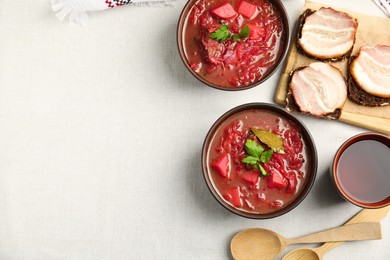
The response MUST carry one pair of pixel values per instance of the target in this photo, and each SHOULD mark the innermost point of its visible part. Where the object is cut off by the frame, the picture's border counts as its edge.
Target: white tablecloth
(101, 129)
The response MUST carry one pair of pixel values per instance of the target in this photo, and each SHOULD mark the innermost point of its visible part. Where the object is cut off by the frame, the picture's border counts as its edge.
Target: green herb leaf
(254, 149)
(266, 156)
(262, 170)
(221, 34)
(256, 155)
(244, 32)
(250, 160)
(274, 141)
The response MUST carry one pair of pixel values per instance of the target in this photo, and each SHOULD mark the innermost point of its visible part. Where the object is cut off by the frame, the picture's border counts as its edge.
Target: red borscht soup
(233, 44)
(258, 161)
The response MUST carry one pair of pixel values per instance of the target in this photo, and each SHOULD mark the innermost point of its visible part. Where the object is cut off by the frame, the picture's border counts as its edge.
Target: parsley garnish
(243, 34)
(221, 34)
(256, 155)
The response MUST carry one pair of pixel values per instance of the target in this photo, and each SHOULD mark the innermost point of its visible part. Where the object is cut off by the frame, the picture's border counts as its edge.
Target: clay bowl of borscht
(360, 170)
(233, 45)
(259, 161)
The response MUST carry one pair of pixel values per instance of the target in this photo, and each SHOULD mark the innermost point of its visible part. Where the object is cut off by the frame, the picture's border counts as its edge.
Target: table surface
(101, 133)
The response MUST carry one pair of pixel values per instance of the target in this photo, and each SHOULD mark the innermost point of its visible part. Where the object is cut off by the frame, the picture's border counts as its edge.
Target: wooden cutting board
(372, 30)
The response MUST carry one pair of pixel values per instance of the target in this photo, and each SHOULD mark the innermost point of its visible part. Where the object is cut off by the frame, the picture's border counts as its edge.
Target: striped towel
(384, 5)
(77, 10)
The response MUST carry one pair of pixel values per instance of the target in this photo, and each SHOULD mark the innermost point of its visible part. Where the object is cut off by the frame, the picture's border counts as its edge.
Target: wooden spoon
(319, 252)
(258, 243)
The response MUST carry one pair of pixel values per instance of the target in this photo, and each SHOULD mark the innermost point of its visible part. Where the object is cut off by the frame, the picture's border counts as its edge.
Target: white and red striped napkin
(77, 10)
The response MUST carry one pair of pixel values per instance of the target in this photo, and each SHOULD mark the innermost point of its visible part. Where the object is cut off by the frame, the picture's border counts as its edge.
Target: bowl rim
(311, 146)
(354, 139)
(278, 4)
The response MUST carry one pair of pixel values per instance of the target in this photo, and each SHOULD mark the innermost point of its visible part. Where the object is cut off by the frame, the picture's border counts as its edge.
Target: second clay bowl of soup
(360, 170)
(259, 161)
(233, 45)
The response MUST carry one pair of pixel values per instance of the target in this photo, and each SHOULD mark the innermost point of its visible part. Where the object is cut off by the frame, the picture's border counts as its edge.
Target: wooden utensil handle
(363, 216)
(352, 232)
(373, 123)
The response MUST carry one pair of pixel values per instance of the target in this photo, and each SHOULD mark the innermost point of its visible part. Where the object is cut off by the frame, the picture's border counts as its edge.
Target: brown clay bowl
(181, 43)
(242, 112)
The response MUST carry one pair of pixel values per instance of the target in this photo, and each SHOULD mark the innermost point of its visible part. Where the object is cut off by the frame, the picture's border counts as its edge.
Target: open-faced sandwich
(318, 89)
(326, 34)
(369, 76)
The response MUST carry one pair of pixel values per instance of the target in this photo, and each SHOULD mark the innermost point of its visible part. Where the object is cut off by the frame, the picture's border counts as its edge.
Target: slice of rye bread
(292, 106)
(361, 97)
(301, 22)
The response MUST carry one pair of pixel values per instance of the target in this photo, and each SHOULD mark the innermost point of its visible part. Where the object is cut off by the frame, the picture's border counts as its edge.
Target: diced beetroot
(277, 180)
(222, 165)
(251, 177)
(246, 9)
(256, 32)
(225, 11)
(235, 199)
